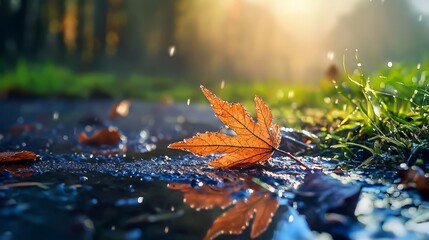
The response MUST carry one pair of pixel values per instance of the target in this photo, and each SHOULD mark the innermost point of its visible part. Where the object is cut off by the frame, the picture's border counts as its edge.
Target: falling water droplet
(171, 50)
(222, 84)
(55, 116)
(389, 64)
(188, 102)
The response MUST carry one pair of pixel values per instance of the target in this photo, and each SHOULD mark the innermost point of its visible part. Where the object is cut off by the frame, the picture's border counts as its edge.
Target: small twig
(294, 158)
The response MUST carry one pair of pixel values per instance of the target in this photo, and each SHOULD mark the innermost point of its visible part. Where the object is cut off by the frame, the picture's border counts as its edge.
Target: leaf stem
(294, 158)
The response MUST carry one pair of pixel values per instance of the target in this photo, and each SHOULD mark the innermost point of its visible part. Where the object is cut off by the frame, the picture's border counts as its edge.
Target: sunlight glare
(331, 55)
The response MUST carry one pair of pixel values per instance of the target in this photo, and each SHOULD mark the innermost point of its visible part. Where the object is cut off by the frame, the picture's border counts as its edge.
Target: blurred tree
(150, 32)
(20, 28)
(221, 39)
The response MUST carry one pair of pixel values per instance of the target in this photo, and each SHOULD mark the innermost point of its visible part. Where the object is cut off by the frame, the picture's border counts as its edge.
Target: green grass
(50, 80)
(385, 117)
(382, 118)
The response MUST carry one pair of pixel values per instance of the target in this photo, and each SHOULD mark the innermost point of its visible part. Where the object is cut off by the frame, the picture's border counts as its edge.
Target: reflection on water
(19, 170)
(247, 199)
(72, 193)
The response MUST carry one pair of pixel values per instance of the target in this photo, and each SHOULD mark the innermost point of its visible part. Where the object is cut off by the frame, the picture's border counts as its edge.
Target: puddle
(150, 192)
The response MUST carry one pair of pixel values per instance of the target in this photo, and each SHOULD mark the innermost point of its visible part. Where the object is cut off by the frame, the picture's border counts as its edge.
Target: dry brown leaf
(7, 157)
(254, 141)
(108, 136)
(414, 177)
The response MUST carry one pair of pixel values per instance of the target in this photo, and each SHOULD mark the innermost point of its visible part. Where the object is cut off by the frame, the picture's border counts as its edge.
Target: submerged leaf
(254, 141)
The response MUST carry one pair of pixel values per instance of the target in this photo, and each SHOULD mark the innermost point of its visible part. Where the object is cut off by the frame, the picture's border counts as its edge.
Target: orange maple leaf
(254, 141)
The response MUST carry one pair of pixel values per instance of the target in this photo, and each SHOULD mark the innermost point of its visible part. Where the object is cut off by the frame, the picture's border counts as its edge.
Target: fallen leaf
(7, 157)
(254, 141)
(108, 136)
(120, 109)
(414, 178)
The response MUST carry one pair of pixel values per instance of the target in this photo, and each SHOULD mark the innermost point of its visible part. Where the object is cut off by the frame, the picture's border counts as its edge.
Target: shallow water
(145, 191)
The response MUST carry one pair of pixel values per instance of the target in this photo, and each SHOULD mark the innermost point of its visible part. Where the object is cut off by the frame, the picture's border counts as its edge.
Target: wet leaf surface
(253, 142)
(8, 157)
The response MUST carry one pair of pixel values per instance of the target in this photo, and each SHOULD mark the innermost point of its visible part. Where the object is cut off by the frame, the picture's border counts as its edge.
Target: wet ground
(138, 189)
